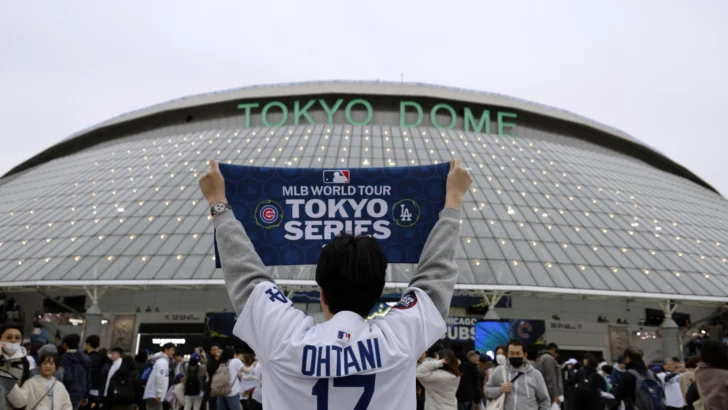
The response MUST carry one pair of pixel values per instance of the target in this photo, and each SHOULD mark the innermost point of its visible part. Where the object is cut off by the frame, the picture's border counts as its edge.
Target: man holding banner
(346, 362)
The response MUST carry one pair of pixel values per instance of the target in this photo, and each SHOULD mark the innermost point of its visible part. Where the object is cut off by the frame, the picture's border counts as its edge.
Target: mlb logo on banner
(338, 176)
(343, 336)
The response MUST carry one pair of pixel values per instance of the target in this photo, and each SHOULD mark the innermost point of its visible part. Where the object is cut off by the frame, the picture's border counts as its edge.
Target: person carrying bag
(498, 403)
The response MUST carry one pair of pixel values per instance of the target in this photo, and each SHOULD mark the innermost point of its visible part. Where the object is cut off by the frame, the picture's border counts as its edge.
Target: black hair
(435, 348)
(141, 357)
(4, 328)
(94, 341)
(118, 350)
(516, 343)
(552, 346)
(607, 369)
(227, 355)
(42, 357)
(215, 345)
(693, 362)
(715, 354)
(578, 365)
(179, 354)
(591, 360)
(620, 359)
(501, 347)
(351, 273)
(676, 359)
(168, 346)
(634, 353)
(72, 341)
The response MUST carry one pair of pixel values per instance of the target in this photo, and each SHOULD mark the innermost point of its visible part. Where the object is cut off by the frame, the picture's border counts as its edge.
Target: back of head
(450, 361)
(714, 353)
(692, 363)
(633, 353)
(591, 360)
(93, 341)
(552, 347)
(227, 355)
(72, 341)
(435, 348)
(351, 273)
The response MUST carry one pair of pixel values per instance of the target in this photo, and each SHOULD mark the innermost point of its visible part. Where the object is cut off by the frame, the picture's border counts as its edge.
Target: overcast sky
(657, 69)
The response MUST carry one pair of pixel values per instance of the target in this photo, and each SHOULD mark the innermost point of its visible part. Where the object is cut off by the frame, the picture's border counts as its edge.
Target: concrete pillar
(92, 324)
(671, 344)
(491, 314)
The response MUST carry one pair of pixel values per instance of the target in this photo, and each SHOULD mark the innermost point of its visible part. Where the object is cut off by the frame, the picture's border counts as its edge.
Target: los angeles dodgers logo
(406, 213)
(269, 214)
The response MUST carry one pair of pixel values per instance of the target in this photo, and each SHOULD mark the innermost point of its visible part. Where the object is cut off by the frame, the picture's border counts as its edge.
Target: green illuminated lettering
(469, 120)
(402, 111)
(502, 124)
(264, 114)
(298, 112)
(331, 111)
(247, 108)
(453, 116)
(365, 103)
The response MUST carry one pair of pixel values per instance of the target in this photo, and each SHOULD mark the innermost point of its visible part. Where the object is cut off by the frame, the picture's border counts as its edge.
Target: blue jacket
(76, 375)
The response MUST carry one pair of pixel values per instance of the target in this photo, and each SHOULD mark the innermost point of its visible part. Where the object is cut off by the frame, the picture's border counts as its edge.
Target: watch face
(218, 207)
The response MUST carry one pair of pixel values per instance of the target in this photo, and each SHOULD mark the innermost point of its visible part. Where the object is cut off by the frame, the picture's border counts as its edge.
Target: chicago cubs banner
(290, 213)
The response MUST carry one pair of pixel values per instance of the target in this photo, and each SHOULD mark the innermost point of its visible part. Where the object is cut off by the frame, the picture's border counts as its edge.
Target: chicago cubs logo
(524, 330)
(406, 213)
(269, 214)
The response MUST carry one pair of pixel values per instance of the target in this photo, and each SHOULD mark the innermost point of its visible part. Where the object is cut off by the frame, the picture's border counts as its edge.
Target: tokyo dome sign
(359, 111)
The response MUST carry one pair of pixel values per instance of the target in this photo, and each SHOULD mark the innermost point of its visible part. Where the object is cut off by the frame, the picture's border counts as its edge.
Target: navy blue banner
(290, 213)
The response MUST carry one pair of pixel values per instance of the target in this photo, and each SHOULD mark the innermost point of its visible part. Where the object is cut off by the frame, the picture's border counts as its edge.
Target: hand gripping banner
(289, 214)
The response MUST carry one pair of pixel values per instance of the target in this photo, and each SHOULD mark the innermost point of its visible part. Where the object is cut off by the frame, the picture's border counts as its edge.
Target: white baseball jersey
(345, 363)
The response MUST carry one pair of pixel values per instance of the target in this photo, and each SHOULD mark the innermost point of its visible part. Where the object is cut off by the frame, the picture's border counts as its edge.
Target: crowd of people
(72, 376)
(448, 381)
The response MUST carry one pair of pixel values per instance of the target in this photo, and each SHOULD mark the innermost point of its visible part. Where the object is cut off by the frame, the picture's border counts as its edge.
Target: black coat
(470, 389)
(598, 384)
(127, 373)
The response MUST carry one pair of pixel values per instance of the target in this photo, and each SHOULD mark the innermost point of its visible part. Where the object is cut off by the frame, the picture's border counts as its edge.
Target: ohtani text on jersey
(338, 361)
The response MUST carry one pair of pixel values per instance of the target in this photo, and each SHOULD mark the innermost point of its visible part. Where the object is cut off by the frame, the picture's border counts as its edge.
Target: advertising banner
(461, 329)
(290, 213)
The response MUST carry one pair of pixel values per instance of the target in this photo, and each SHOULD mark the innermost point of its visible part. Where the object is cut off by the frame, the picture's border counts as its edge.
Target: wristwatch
(219, 207)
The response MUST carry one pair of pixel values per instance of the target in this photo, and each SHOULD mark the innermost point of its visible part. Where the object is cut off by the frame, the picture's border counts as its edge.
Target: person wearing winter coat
(588, 385)
(441, 379)
(121, 387)
(525, 387)
(76, 371)
(15, 368)
(158, 382)
(712, 375)
(551, 372)
(43, 391)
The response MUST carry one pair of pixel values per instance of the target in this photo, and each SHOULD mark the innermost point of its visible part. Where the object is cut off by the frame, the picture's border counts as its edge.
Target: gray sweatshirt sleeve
(437, 272)
(542, 393)
(241, 265)
(492, 388)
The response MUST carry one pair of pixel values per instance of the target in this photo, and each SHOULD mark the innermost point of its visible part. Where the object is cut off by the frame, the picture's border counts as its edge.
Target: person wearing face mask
(500, 359)
(14, 365)
(523, 385)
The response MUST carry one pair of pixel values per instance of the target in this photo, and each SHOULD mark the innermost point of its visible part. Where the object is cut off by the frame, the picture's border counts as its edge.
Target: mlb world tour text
(472, 120)
(367, 215)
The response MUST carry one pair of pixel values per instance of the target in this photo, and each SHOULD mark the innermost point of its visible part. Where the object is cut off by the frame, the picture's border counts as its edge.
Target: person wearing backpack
(158, 378)
(638, 388)
(76, 371)
(226, 382)
(588, 385)
(194, 373)
(121, 388)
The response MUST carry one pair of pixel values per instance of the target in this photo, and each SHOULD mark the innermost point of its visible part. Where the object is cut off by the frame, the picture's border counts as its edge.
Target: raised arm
(437, 272)
(241, 265)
